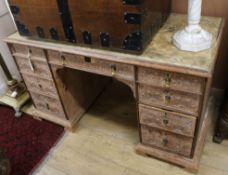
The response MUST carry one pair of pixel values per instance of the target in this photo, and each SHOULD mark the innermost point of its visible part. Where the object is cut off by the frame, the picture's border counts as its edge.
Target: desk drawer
(169, 99)
(41, 85)
(171, 80)
(48, 104)
(26, 50)
(35, 67)
(94, 65)
(21, 49)
(167, 141)
(169, 121)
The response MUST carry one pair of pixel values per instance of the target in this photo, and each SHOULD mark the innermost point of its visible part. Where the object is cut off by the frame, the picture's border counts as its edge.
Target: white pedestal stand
(193, 37)
(20, 96)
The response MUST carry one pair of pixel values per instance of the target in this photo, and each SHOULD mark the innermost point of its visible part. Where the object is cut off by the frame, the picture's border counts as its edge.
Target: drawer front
(102, 67)
(35, 84)
(25, 50)
(171, 80)
(48, 104)
(37, 52)
(35, 67)
(169, 121)
(172, 100)
(167, 141)
(21, 49)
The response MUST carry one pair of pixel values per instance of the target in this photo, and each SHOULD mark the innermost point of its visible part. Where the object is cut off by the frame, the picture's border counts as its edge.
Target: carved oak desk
(171, 87)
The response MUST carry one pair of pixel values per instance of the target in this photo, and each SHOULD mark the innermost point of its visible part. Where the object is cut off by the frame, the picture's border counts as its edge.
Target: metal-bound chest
(118, 24)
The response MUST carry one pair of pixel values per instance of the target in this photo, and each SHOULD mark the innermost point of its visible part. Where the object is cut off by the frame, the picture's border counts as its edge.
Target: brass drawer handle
(165, 141)
(31, 65)
(113, 68)
(165, 120)
(62, 58)
(168, 80)
(47, 106)
(167, 99)
(40, 86)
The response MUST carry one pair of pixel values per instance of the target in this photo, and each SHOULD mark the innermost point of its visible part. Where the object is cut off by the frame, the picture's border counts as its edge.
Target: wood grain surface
(169, 99)
(166, 141)
(166, 120)
(160, 53)
(48, 104)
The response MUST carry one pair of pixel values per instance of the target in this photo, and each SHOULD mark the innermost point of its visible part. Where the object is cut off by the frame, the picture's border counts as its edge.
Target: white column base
(193, 38)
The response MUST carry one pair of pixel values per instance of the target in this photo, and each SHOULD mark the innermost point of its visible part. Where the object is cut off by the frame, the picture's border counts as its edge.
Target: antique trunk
(119, 24)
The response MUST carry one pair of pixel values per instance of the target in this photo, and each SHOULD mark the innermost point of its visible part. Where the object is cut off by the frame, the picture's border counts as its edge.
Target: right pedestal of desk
(170, 107)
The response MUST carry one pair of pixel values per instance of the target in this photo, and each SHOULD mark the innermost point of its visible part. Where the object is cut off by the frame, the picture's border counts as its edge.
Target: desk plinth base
(39, 115)
(191, 165)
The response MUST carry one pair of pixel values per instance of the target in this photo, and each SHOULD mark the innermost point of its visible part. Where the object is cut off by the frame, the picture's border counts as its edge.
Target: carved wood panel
(171, 80)
(170, 121)
(48, 104)
(40, 85)
(169, 99)
(103, 67)
(167, 141)
(35, 67)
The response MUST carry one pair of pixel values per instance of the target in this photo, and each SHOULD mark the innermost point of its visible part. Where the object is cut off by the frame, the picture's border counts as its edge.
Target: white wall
(7, 27)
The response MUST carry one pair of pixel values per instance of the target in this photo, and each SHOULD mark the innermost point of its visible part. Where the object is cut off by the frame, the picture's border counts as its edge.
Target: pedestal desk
(171, 87)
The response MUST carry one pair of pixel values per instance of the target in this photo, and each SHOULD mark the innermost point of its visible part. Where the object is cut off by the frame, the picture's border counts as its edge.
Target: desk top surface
(160, 52)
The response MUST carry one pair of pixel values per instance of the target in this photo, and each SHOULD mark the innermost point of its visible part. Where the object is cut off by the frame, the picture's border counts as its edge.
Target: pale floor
(104, 144)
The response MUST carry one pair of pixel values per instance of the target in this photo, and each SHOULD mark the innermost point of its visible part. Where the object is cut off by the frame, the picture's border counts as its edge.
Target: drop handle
(40, 86)
(167, 99)
(165, 120)
(165, 141)
(62, 58)
(167, 80)
(47, 106)
(113, 69)
(31, 65)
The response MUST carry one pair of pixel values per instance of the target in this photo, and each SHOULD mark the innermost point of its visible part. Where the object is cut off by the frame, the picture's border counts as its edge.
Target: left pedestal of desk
(45, 89)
